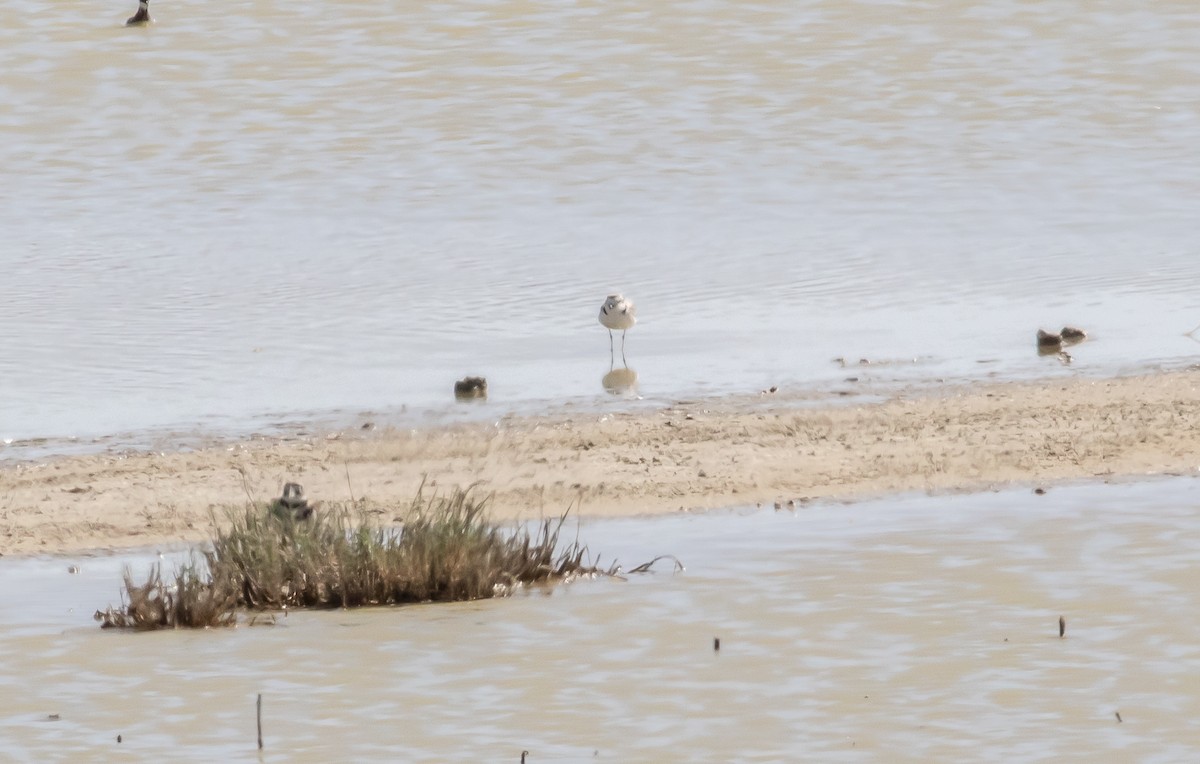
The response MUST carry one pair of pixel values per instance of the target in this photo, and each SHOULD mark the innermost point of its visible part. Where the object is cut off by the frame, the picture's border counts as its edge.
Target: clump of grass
(444, 550)
(194, 601)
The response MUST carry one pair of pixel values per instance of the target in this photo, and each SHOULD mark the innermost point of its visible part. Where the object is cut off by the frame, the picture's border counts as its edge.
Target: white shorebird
(617, 313)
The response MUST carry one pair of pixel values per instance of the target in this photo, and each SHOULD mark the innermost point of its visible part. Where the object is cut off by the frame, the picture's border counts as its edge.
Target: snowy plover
(617, 313)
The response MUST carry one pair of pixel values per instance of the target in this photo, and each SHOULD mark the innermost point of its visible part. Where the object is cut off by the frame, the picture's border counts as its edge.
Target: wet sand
(692, 455)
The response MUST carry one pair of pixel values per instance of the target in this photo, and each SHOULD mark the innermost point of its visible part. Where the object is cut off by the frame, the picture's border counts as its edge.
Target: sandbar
(689, 455)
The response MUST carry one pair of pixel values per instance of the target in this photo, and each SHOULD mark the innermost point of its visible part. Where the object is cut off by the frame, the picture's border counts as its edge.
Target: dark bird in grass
(142, 17)
(293, 502)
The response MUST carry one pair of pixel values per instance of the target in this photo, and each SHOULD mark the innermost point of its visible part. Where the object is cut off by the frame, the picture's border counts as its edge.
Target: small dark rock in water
(1072, 334)
(293, 502)
(716, 644)
(118, 738)
(1062, 627)
(470, 387)
(1047, 339)
(1040, 491)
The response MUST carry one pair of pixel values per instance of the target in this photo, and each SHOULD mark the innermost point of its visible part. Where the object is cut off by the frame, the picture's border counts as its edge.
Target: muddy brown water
(913, 628)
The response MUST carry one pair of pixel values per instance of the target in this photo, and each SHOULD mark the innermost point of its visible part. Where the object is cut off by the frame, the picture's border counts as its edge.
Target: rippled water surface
(256, 208)
(914, 629)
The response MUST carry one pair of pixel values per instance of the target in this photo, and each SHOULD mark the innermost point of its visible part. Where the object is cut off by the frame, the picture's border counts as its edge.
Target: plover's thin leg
(623, 350)
(611, 350)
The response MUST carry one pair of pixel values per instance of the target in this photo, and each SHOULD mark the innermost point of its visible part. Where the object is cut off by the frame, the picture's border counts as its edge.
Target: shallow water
(264, 209)
(913, 628)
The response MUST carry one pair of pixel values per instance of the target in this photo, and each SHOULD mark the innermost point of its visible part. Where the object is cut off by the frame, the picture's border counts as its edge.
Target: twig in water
(260, 721)
(645, 566)
(1062, 627)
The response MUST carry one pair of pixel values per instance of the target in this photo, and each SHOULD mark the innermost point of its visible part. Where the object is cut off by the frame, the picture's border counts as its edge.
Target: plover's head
(614, 300)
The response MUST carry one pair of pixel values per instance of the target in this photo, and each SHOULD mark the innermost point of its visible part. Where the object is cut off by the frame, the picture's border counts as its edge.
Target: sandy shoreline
(698, 454)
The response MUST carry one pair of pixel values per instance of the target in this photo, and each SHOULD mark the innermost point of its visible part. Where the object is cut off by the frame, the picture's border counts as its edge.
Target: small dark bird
(1062, 627)
(142, 17)
(1047, 339)
(470, 387)
(293, 501)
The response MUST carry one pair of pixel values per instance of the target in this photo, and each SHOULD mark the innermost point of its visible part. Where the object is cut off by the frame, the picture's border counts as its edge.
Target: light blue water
(256, 210)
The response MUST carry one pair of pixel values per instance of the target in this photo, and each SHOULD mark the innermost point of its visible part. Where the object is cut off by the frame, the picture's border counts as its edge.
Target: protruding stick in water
(260, 721)
(1062, 627)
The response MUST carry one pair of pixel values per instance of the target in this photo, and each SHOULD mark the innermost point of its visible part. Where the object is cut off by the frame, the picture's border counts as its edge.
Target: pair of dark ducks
(1068, 336)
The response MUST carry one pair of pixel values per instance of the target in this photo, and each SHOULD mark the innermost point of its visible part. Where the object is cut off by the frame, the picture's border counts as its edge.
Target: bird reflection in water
(621, 381)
